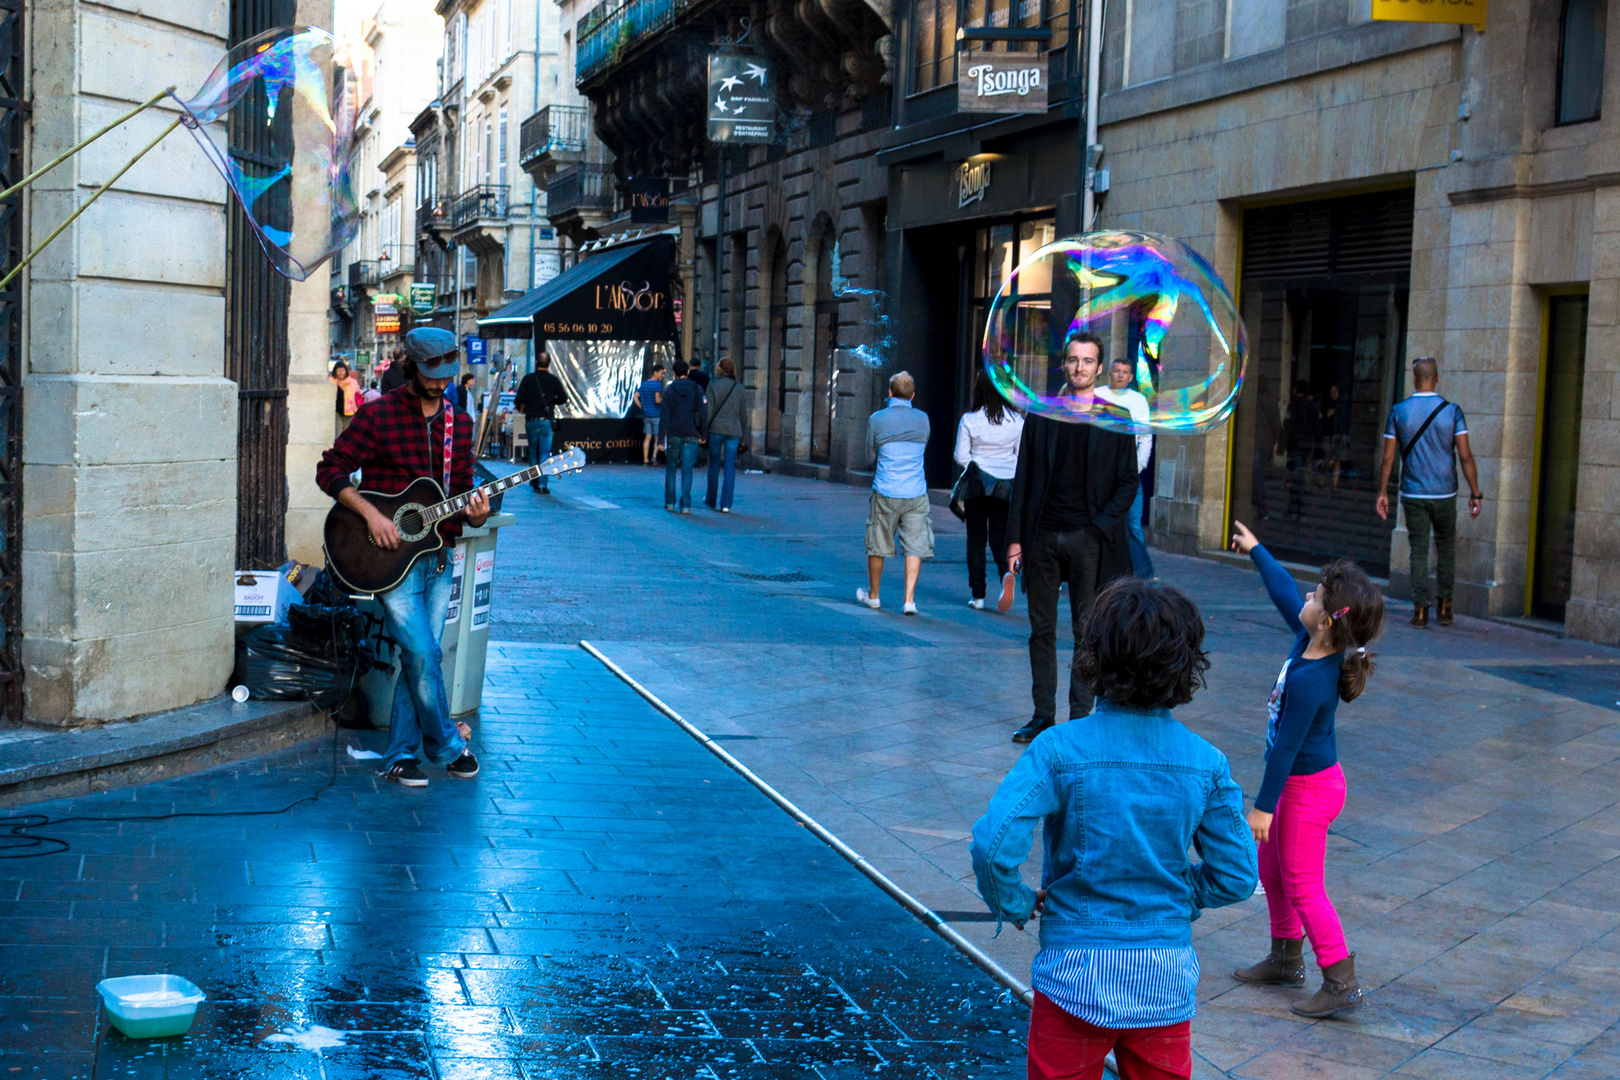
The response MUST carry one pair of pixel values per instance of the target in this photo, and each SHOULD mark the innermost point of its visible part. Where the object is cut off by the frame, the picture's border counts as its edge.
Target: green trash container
(466, 628)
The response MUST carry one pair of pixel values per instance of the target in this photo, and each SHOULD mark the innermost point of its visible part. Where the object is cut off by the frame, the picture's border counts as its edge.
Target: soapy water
(878, 326)
(313, 1038)
(1150, 299)
(282, 96)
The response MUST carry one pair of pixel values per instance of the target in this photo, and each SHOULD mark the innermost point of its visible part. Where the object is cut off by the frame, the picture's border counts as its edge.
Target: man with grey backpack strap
(726, 419)
(1427, 431)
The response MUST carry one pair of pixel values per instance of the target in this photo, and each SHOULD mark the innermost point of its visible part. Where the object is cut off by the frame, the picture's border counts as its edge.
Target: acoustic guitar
(362, 567)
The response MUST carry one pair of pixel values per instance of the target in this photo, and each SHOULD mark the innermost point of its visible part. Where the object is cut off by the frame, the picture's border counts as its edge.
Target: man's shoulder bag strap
(1413, 441)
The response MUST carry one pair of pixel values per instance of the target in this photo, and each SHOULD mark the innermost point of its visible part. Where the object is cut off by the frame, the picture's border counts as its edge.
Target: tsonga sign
(1001, 82)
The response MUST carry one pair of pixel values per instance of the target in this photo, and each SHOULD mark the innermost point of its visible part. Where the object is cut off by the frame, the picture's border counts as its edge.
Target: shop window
(1580, 60)
(934, 34)
(997, 250)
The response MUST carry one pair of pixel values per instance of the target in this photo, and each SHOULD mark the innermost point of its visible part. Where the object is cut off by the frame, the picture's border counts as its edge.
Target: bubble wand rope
(70, 151)
(100, 191)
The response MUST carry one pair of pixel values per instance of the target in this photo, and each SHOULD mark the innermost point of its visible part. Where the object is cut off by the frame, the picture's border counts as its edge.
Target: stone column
(130, 428)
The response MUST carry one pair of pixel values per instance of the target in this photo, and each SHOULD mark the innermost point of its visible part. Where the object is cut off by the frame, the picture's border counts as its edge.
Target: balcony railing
(580, 187)
(614, 27)
(433, 214)
(555, 129)
(364, 272)
(483, 201)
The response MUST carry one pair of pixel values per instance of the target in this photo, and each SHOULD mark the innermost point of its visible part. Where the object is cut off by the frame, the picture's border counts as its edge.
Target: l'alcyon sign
(1431, 11)
(1001, 82)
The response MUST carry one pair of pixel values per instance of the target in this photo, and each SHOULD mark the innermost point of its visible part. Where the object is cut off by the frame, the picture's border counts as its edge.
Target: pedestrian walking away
(649, 398)
(538, 395)
(1430, 435)
(1120, 800)
(394, 377)
(695, 372)
(368, 395)
(727, 416)
(412, 433)
(1304, 787)
(685, 413)
(1119, 392)
(896, 438)
(1066, 524)
(987, 450)
(348, 392)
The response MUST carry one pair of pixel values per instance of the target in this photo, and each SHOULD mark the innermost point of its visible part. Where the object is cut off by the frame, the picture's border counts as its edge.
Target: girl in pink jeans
(1303, 790)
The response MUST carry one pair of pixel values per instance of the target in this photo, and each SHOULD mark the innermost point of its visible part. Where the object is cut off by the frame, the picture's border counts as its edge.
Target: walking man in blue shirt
(896, 436)
(1431, 436)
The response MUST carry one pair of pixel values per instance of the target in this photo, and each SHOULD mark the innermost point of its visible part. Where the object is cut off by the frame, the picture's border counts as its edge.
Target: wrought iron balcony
(580, 187)
(364, 272)
(478, 203)
(554, 130)
(614, 27)
(434, 214)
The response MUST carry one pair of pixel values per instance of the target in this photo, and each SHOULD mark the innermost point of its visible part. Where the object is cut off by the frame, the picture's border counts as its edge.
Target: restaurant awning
(621, 294)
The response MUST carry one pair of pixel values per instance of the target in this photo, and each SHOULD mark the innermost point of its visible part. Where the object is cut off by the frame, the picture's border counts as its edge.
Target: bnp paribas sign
(1001, 82)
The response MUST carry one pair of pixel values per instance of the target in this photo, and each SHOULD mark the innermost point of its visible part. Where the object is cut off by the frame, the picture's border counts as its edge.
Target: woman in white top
(988, 438)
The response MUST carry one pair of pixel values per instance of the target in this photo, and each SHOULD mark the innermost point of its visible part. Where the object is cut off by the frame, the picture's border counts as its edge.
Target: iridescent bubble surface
(276, 120)
(1149, 299)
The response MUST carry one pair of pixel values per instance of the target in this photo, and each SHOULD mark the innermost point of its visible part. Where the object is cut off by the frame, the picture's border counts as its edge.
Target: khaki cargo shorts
(908, 517)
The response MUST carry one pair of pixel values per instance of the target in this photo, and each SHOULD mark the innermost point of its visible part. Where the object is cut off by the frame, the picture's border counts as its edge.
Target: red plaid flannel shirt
(393, 444)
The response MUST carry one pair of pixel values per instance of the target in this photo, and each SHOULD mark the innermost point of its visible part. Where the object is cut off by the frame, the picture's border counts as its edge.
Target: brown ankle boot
(1284, 967)
(1420, 615)
(1340, 991)
(1443, 612)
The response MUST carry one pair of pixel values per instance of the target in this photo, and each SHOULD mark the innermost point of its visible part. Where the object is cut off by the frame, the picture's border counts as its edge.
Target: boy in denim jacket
(1123, 794)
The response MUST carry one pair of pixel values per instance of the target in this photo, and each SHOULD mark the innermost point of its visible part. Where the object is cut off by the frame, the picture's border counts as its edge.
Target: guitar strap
(449, 443)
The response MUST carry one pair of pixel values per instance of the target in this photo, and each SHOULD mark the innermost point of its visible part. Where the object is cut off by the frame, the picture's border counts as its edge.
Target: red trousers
(1064, 1047)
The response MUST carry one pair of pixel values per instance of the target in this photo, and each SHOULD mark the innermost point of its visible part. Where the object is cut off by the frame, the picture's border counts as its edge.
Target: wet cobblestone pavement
(605, 899)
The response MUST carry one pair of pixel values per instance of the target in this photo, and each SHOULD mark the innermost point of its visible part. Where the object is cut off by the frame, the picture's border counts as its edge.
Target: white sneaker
(872, 602)
(976, 604)
(725, 509)
(908, 608)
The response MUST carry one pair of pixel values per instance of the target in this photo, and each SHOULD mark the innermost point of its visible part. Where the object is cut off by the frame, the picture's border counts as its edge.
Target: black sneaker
(407, 773)
(464, 767)
(1028, 732)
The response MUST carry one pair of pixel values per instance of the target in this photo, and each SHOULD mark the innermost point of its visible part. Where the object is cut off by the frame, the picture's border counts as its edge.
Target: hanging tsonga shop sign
(742, 99)
(1001, 82)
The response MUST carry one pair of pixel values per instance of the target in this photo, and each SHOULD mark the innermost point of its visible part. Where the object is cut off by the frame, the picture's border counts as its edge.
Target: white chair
(520, 442)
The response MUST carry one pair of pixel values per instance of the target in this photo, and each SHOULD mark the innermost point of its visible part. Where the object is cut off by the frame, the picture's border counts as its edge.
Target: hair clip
(1340, 613)
(1361, 650)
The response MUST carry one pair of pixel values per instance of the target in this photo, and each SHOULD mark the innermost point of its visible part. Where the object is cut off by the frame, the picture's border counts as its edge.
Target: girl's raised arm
(1279, 582)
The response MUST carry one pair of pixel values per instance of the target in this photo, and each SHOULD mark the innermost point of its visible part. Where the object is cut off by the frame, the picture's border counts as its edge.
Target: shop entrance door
(1324, 293)
(1558, 457)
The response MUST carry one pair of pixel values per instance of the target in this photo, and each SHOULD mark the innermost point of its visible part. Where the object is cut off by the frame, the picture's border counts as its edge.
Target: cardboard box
(263, 596)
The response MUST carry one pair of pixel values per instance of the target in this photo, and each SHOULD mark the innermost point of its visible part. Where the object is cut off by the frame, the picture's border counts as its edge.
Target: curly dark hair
(1142, 646)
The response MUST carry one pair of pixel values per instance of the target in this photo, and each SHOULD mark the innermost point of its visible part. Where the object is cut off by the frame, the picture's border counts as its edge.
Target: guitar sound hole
(410, 523)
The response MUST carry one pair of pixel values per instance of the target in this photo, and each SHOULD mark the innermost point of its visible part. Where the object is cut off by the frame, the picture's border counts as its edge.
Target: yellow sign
(1431, 11)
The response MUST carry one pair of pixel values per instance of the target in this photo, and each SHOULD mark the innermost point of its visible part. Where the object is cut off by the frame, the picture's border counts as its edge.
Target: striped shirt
(1120, 988)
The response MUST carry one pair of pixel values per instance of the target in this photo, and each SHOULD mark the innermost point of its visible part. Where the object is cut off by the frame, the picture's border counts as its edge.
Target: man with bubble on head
(1066, 522)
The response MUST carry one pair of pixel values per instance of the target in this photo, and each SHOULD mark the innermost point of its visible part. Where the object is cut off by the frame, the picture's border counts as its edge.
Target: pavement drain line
(923, 913)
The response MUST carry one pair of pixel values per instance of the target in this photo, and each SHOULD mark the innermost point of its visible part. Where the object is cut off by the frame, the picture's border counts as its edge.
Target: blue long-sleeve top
(1300, 711)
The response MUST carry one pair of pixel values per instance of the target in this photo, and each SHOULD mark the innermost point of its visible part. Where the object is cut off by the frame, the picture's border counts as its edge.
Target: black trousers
(1051, 559)
(986, 522)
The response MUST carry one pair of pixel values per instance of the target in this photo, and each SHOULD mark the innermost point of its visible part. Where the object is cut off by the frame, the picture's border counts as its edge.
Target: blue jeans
(1141, 561)
(539, 434)
(413, 615)
(680, 450)
(722, 446)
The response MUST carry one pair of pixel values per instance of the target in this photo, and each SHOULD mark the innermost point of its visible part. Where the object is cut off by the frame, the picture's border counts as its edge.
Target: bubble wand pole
(100, 191)
(64, 155)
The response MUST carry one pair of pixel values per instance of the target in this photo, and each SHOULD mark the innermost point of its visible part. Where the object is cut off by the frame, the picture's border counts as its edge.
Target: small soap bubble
(1149, 300)
(277, 121)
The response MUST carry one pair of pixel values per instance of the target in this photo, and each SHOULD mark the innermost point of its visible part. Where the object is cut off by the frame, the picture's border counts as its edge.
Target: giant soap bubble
(1149, 299)
(285, 143)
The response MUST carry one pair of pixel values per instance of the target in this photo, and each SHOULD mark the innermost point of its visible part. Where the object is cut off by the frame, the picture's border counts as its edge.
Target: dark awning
(620, 295)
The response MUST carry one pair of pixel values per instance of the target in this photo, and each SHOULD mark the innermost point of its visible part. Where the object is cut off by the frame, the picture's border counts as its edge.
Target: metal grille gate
(256, 303)
(13, 111)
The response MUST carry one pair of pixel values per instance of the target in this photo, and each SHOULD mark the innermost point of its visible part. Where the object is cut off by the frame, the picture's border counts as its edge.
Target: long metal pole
(1093, 88)
(719, 257)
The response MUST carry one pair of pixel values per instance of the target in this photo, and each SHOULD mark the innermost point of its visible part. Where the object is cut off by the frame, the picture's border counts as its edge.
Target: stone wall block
(52, 493)
(48, 587)
(129, 420)
(135, 58)
(198, 16)
(136, 238)
(136, 589)
(169, 333)
(175, 168)
(165, 503)
(72, 682)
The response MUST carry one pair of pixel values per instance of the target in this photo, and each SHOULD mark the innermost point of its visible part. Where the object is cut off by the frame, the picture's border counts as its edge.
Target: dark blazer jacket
(1111, 481)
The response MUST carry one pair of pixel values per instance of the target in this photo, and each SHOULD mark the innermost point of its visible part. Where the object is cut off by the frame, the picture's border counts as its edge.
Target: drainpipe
(1093, 86)
(534, 190)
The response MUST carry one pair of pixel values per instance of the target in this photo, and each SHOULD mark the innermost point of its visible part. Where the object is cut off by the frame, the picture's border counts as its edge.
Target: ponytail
(1357, 610)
